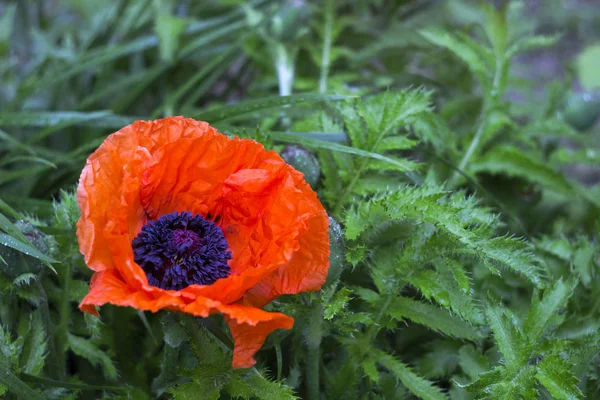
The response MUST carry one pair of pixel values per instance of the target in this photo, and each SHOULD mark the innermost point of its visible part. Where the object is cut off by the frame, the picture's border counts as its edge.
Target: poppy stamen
(182, 249)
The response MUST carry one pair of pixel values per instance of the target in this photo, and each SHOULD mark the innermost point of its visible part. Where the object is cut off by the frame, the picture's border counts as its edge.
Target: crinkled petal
(250, 327)
(253, 192)
(307, 271)
(108, 287)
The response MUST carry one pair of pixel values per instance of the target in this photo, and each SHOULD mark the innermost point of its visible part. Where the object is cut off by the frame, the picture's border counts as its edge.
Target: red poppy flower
(177, 216)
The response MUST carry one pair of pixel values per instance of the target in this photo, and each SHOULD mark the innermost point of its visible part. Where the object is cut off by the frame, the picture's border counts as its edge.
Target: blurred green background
(501, 102)
(98, 65)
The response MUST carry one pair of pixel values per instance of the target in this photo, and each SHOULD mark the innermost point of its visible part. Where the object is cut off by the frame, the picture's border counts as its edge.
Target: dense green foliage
(463, 194)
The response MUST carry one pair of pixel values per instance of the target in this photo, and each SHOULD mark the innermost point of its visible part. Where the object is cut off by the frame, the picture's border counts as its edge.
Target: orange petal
(307, 271)
(250, 327)
(108, 287)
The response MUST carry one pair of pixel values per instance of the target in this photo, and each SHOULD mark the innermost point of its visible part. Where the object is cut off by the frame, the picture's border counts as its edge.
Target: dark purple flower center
(182, 249)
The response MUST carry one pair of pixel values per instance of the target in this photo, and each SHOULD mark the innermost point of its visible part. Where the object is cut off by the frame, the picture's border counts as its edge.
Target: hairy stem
(314, 335)
(279, 357)
(56, 369)
(62, 328)
(488, 105)
(358, 173)
(326, 56)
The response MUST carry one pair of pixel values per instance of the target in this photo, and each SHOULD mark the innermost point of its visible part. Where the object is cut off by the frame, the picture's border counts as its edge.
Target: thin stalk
(327, 38)
(63, 323)
(313, 344)
(357, 174)
(194, 324)
(284, 64)
(55, 368)
(279, 357)
(373, 329)
(489, 104)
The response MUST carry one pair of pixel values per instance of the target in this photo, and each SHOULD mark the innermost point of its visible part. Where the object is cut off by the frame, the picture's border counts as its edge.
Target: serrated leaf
(252, 384)
(528, 43)
(553, 372)
(478, 58)
(35, 345)
(511, 161)
(428, 204)
(510, 340)
(336, 303)
(446, 293)
(419, 386)
(86, 349)
(543, 310)
(472, 362)
(432, 317)
(441, 359)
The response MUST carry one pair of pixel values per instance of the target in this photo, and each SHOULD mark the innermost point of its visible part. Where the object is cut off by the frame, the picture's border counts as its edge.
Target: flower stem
(314, 335)
(63, 322)
(278, 355)
(326, 57)
(488, 104)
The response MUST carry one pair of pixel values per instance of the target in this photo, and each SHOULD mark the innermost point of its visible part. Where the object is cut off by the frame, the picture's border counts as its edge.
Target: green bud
(290, 21)
(337, 255)
(582, 110)
(16, 263)
(66, 212)
(303, 161)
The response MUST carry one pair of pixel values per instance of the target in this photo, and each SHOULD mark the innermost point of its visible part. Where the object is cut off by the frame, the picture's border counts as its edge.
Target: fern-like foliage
(377, 124)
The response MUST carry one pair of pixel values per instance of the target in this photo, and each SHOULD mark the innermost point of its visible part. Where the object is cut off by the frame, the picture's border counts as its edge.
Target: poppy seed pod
(582, 110)
(15, 263)
(303, 161)
(337, 256)
(177, 216)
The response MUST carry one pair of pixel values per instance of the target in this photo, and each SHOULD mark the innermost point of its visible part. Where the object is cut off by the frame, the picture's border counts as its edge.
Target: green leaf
(35, 347)
(72, 385)
(510, 340)
(392, 163)
(496, 27)
(26, 249)
(168, 29)
(98, 119)
(446, 293)
(543, 310)
(587, 67)
(86, 349)
(446, 214)
(472, 362)
(479, 59)
(250, 106)
(528, 43)
(213, 371)
(252, 384)
(336, 303)
(510, 161)
(441, 359)
(7, 22)
(419, 386)
(553, 372)
(432, 317)
(17, 386)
